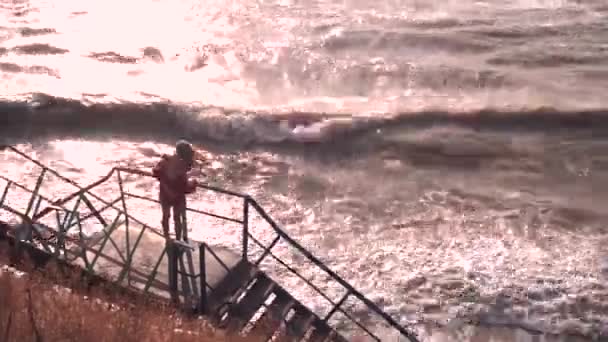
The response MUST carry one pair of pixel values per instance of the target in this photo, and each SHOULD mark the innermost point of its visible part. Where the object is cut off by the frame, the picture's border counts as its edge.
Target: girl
(172, 173)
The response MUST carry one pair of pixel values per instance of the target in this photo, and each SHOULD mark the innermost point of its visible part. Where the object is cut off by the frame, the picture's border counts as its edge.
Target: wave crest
(52, 114)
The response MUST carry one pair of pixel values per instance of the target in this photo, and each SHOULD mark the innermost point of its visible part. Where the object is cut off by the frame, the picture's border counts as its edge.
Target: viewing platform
(234, 287)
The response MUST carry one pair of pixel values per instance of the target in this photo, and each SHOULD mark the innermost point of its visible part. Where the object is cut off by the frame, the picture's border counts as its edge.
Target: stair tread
(298, 325)
(272, 317)
(236, 279)
(336, 337)
(251, 302)
(321, 331)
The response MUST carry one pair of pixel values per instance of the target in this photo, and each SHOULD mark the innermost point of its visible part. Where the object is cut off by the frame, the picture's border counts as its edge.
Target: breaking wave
(47, 114)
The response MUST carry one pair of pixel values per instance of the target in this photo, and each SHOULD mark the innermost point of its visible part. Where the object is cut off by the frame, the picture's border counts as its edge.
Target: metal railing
(249, 205)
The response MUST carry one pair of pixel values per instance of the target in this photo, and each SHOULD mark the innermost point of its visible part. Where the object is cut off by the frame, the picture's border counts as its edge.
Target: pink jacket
(172, 173)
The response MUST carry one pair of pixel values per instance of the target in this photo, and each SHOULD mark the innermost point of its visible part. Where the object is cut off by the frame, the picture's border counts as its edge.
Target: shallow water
(356, 125)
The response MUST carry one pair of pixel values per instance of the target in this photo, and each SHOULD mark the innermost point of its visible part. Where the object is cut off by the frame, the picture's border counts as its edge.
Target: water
(449, 158)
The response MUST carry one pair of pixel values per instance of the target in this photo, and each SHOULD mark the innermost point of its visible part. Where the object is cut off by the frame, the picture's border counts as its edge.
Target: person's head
(184, 151)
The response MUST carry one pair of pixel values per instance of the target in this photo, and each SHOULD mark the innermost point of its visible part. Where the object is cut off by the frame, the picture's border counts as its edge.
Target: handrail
(100, 181)
(202, 212)
(336, 306)
(202, 186)
(81, 189)
(292, 270)
(339, 279)
(307, 254)
(248, 200)
(24, 188)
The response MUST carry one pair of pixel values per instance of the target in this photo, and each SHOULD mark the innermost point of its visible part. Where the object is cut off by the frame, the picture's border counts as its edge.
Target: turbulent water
(449, 158)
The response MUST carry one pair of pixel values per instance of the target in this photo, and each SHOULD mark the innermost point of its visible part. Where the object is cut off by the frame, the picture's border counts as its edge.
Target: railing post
(245, 227)
(203, 274)
(60, 236)
(5, 192)
(35, 192)
(184, 225)
(172, 258)
(124, 208)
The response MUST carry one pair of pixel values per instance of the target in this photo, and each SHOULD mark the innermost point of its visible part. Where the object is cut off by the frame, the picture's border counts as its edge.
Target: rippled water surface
(440, 155)
(355, 55)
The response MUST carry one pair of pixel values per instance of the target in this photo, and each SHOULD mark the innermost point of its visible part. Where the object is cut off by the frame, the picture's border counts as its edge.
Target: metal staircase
(237, 286)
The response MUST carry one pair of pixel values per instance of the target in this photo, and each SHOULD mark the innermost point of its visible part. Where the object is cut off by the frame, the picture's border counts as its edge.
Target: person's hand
(192, 185)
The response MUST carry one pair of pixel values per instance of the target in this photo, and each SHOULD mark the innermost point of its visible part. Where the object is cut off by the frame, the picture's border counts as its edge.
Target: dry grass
(31, 309)
(54, 304)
